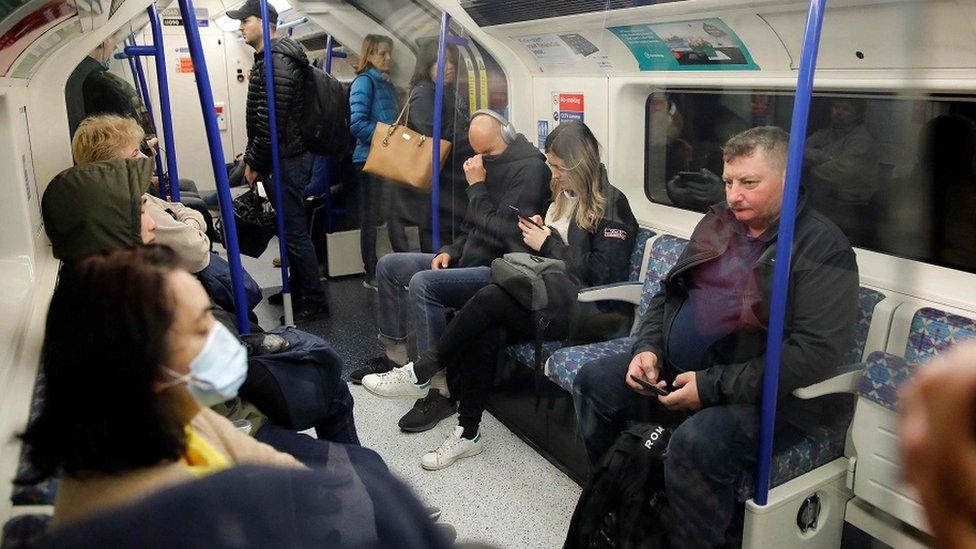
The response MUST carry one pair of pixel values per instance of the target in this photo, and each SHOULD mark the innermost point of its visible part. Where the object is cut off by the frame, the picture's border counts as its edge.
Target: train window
(895, 172)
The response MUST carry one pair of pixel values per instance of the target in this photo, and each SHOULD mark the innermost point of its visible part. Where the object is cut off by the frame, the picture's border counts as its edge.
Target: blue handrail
(205, 92)
(165, 112)
(139, 77)
(443, 40)
(784, 245)
(276, 164)
(330, 53)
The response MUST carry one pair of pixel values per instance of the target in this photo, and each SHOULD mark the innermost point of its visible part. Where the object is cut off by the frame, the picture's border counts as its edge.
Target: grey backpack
(523, 276)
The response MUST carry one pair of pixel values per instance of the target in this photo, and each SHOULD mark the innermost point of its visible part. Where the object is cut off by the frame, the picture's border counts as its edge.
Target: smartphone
(520, 216)
(649, 387)
(693, 176)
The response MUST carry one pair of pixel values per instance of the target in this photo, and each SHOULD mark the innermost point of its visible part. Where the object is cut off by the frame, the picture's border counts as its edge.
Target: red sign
(572, 102)
(186, 65)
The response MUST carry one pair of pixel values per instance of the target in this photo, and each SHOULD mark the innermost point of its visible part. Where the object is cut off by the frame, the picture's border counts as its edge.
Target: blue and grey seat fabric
(822, 445)
(564, 364)
(525, 352)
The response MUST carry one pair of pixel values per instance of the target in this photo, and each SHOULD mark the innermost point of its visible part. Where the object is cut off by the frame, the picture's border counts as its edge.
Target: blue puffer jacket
(371, 100)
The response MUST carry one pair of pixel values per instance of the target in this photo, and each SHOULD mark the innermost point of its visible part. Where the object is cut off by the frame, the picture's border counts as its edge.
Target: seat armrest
(629, 292)
(844, 382)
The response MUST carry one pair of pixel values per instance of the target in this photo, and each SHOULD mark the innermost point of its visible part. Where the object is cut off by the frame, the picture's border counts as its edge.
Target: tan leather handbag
(403, 155)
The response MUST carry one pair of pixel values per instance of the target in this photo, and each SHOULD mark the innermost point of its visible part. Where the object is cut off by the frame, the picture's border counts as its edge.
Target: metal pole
(435, 199)
(330, 53)
(139, 76)
(276, 165)
(217, 160)
(784, 245)
(166, 114)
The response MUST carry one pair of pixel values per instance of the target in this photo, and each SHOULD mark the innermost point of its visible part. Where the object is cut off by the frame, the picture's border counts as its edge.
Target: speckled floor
(508, 496)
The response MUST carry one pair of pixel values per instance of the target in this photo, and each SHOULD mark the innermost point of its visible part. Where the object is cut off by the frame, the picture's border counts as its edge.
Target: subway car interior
(777, 292)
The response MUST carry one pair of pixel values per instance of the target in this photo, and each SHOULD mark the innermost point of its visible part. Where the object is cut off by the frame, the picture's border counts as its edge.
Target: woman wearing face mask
(372, 99)
(132, 358)
(590, 226)
(454, 128)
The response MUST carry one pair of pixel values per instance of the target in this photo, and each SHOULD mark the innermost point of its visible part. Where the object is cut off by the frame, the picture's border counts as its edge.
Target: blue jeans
(707, 454)
(315, 452)
(408, 287)
(295, 173)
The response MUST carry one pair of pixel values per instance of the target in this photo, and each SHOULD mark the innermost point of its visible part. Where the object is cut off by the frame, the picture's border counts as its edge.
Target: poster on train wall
(565, 51)
(567, 106)
(701, 44)
(31, 27)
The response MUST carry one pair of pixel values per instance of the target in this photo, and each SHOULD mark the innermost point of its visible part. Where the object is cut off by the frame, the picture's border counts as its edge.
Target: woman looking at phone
(588, 225)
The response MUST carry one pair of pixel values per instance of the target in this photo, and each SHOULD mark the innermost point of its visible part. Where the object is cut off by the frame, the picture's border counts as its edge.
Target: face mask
(218, 371)
(105, 63)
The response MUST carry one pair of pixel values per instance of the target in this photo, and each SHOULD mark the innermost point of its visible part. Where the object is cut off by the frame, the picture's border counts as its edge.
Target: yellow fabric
(202, 459)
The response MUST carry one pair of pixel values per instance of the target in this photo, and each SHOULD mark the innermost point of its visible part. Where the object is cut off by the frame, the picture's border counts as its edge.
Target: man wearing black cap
(290, 70)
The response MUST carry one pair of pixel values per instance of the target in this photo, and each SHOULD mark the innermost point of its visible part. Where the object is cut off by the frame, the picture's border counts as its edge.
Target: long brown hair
(370, 44)
(575, 144)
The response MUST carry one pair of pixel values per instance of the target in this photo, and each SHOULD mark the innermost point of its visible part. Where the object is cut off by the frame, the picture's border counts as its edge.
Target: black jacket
(819, 323)
(518, 177)
(290, 70)
(601, 256)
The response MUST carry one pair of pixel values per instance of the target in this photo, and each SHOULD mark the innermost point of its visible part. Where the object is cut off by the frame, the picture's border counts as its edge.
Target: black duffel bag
(255, 221)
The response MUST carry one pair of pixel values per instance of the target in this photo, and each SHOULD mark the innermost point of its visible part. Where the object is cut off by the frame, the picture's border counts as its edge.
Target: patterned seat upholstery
(933, 331)
(883, 375)
(524, 352)
(41, 493)
(823, 445)
(566, 363)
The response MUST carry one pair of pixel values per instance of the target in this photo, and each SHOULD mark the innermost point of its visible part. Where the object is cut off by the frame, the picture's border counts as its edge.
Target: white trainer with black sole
(398, 382)
(453, 448)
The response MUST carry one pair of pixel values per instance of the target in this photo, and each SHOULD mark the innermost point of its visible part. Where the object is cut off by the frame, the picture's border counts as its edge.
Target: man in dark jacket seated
(703, 338)
(506, 172)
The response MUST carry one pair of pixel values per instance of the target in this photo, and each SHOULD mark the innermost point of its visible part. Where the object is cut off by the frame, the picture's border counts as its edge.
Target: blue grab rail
(784, 245)
(276, 164)
(443, 41)
(330, 53)
(205, 92)
(139, 77)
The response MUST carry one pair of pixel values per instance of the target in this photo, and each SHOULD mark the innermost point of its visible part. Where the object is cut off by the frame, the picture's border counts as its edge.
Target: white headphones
(508, 130)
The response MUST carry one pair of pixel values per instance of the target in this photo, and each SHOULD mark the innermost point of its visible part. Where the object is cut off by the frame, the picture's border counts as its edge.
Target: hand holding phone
(520, 216)
(650, 387)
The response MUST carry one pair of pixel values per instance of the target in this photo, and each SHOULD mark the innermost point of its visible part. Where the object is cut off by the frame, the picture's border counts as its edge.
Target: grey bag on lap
(523, 275)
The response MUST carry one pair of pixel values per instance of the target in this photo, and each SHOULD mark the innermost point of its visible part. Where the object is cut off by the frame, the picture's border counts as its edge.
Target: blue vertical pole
(784, 245)
(217, 160)
(139, 76)
(166, 114)
(276, 164)
(330, 53)
(435, 188)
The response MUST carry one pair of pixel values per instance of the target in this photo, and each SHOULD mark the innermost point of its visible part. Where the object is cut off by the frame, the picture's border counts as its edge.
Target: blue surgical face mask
(105, 63)
(217, 372)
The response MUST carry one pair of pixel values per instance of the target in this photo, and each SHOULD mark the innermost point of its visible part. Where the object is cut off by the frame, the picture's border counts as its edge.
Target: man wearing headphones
(506, 171)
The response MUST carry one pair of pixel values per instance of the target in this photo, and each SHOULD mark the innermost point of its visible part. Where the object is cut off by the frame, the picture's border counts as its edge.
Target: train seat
(564, 364)
(40, 493)
(524, 353)
(919, 332)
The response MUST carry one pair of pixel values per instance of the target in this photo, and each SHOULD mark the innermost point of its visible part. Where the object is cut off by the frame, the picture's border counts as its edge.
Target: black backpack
(621, 505)
(325, 126)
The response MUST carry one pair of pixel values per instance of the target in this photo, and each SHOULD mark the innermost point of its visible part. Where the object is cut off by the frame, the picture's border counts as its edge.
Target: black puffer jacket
(290, 69)
(518, 177)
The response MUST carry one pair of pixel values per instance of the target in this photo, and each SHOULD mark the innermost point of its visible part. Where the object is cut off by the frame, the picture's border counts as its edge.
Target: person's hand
(533, 236)
(644, 366)
(685, 395)
(938, 444)
(239, 159)
(440, 261)
(152, 144)
(154, 183)
(250, 176)
(474, 170)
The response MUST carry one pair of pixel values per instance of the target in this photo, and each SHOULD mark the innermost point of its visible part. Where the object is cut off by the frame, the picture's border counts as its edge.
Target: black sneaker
(278, 298)
(378, 365)
(427, 412)
(306, 311)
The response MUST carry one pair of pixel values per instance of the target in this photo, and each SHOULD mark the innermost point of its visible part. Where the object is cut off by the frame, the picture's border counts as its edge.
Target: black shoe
(427, 412)
(378, 365)
(278, 299)
(305, 311)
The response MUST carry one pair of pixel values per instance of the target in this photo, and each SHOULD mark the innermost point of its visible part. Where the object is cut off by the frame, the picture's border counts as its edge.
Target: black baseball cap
(253, 7)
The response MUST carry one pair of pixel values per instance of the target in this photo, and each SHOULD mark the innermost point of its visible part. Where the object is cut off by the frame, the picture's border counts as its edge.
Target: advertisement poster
(702, 44)
(567, 106)
(30, 28)
(565, 51)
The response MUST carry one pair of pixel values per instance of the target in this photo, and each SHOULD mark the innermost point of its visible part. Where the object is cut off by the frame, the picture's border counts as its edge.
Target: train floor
(508, 496)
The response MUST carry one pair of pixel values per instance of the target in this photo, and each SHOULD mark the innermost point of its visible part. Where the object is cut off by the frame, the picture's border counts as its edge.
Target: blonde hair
(370, 44)
(575, 144)
(100, 137)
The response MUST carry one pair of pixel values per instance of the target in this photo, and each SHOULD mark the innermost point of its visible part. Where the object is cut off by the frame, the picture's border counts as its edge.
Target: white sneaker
(398, 382)
(452, 449)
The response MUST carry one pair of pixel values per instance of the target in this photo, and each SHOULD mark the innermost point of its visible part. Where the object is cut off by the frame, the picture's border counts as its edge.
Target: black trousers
(472, 340)
(378, 202)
